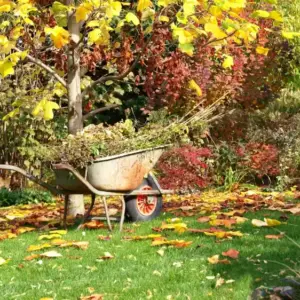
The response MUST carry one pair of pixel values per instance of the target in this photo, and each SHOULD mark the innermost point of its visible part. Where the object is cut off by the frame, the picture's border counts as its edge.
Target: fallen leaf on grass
(265, 223)
(8, 235)
(178, 264)
(240, 220)
(141, 237)
(155, 272)
(232, 253)
(94, 224)
(177, 227)
(106, 256)
(204, 219)
(274, 236)
(46, 298)
(51, 254)
(60, 232)
(161, 252)
(220, 281)
(38, 247)
(81, 245)
(224, 234)
(294, 210)
(104, 237)
(258, 223)
(21, 230)
(175, 243)
(222, 222)
(174, 220)
(215, 260)
(49, 237)
(3, 261)
(272, 222)
(31, 257)
(92, 297)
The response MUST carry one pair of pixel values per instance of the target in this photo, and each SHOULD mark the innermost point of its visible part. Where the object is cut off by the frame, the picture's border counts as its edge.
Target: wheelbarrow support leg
(66, 205)
(87, 214)
(122, 213)
(106, 213)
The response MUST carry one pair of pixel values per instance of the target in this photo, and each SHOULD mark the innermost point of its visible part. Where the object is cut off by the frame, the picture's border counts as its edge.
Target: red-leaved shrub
(263, 159)
(184, 168)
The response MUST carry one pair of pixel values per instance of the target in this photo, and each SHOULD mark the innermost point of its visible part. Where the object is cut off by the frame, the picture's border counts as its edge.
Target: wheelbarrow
(127, 175)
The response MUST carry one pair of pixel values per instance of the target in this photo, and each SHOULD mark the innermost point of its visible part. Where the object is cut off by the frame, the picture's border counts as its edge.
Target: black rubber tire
(132, 212)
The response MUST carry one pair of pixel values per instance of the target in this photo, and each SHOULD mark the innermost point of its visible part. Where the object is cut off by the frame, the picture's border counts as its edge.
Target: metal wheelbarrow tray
(127, 175)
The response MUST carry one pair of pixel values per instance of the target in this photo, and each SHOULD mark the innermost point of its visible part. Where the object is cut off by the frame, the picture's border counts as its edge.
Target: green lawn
(139, 272)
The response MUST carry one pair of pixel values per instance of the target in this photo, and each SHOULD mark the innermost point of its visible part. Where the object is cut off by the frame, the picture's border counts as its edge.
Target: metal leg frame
(66, 205)
(106, 213)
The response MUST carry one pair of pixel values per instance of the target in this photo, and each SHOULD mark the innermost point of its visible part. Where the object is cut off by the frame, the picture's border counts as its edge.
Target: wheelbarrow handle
(47, 186)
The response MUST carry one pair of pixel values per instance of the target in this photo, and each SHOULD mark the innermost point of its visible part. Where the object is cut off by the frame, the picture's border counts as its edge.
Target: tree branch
(45, 67)
(112, 77)
(219, 40)
(96, 111)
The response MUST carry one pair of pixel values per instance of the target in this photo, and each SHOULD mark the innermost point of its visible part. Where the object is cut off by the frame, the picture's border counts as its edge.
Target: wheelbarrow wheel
(143, 207)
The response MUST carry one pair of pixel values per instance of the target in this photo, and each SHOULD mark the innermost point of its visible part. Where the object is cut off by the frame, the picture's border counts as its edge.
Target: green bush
(26, 196)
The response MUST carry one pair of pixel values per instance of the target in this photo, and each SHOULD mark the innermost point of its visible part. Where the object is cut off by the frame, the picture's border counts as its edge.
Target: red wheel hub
(146, 204)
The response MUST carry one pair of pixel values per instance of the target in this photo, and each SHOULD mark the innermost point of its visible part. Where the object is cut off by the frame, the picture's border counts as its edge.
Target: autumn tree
(72, 47)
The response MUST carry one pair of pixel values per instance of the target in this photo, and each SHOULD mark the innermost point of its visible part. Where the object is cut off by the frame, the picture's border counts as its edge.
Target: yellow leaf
(215, 11)
(49, 237)
(11, 114)
(6, 68)
(163, 19)
(216, 31)
(113, 9)
(275, 15)
(3, 261)
(130, 17)
(21, 230)
(38, 247)
(213, 260)
(48, 110)
(272, 222)
(59, 36)
(82, 13)
(261, 14)
(262, 50)
(6, 6)
(143, 4)
(51, 254)
(165, 3)
(184, 36)
(228, 62)
(194, 86)
(178, 227)
(60, 232)
(60, 13)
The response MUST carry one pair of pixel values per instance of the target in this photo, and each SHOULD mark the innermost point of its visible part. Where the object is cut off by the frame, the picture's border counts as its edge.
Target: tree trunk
(75, 121)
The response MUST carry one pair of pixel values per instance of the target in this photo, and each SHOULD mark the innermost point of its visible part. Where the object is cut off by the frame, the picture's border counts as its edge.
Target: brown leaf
(94, 224)
(92, 297)
(223, 222)
(204, 219)
(104, 237)
(274, 236)
(31, 257)
(106, 256)
(232, 253)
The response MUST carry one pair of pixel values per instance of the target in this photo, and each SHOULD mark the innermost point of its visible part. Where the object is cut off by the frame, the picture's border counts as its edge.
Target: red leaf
(232, 253)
